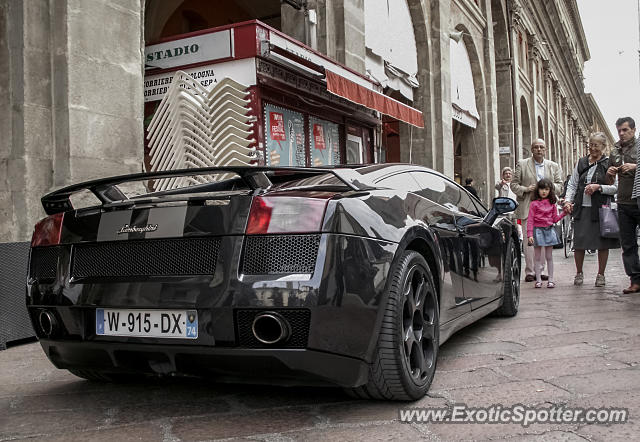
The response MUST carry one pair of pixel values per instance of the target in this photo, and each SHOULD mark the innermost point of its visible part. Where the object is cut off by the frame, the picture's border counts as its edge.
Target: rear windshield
(322, 181)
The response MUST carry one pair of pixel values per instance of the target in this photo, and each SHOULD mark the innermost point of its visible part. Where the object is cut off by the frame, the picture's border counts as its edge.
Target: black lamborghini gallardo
(347, 276)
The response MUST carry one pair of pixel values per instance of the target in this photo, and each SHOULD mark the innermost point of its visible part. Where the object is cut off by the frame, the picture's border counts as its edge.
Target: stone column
(519, 151)
(340, 31)
(74, 82)
(546, 79)
(417, 145)
(442, 115)
(492, 173)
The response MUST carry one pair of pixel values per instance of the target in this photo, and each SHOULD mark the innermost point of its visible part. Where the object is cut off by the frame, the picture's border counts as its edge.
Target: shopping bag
(609, 222)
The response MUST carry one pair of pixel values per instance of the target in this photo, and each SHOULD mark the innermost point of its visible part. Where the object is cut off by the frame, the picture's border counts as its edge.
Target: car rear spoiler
(256, 177)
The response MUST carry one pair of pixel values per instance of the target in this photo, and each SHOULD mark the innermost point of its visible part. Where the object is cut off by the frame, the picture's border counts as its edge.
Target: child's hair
(545, 183)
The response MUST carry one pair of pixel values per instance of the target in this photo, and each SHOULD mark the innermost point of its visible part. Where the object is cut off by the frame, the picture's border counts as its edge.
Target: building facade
(489, 76)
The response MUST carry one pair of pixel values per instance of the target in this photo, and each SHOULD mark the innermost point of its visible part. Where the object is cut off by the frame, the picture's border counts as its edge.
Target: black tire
(406, 353)
(511, 287)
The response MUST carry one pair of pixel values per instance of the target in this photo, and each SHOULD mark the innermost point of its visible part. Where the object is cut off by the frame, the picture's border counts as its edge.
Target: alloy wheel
(419, 324)
(515, 276)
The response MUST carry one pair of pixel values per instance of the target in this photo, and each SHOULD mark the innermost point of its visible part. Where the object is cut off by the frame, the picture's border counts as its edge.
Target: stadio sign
(186, 51)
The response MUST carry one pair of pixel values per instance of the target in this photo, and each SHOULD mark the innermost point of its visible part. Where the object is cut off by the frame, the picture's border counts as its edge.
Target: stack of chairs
(199, 127)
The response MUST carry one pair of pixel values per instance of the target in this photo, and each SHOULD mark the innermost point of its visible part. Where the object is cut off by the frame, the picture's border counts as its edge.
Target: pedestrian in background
(528, 172)
(468, 184)
(543, 214)
(503, 188)
(504, 185)
(622, 162)
(587, 191)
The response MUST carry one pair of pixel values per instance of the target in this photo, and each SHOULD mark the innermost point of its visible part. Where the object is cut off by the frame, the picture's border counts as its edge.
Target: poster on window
(324, 142)
(284, 137)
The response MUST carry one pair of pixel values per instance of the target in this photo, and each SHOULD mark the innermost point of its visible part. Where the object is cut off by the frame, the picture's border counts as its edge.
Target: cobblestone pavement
(568, 346)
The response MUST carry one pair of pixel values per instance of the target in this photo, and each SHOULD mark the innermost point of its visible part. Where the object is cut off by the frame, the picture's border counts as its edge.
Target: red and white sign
(318, 137)
(276, 122)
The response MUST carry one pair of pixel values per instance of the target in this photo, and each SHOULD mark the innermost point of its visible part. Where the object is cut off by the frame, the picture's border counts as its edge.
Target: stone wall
(71, 82)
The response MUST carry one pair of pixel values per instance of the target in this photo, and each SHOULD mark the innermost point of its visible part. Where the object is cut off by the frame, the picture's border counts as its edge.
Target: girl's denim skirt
(545, 236)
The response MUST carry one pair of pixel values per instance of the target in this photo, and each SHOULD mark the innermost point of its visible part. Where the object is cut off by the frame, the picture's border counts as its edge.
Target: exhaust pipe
(48, 323)
(270, 328)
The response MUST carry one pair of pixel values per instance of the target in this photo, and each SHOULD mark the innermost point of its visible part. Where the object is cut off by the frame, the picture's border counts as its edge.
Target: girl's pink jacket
(542, 214)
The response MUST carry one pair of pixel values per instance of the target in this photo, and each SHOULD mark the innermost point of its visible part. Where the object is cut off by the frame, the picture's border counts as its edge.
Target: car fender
(428, 245)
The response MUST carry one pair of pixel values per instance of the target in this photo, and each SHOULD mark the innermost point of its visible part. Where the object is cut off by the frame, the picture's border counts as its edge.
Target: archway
(472, 150)
(164, 18)
(525, 127)
(391, 58)
(541, 133)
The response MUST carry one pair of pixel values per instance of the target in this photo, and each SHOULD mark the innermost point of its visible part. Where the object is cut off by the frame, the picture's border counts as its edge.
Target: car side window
(432, 186)
(452, 195)
(400, 181)
(480, 208)
(467, 205)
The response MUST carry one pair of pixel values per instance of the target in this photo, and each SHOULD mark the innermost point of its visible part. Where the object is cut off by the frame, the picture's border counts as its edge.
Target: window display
(324, 142)
(284, 137)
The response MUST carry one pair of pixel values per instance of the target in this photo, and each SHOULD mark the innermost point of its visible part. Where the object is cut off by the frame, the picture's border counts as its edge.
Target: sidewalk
(569, 346)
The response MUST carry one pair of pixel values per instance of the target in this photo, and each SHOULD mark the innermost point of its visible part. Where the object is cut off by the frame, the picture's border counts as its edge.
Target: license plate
(147, 323)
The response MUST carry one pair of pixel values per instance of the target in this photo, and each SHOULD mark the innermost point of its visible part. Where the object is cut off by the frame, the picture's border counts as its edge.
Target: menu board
(284, 137)
(324, 142)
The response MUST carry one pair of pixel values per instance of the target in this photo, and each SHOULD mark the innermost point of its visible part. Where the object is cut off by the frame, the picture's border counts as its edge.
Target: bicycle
(567, 233)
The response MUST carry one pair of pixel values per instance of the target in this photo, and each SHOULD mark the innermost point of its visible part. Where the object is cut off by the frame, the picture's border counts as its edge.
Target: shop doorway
(463, 151)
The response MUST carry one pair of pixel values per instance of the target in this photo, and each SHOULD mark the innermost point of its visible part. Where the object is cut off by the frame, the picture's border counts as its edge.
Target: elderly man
(528, 172)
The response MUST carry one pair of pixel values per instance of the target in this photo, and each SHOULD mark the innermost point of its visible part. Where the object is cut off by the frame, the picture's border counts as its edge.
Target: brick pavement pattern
(571, 346)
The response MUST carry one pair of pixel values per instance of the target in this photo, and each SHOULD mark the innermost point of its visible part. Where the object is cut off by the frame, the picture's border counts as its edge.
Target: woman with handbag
(590, 188)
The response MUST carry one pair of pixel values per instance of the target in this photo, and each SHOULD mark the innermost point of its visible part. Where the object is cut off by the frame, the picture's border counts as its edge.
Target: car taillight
(285, 215)
(47, 231)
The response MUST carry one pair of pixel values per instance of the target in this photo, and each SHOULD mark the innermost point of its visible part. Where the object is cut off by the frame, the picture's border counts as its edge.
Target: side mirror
(500, 206)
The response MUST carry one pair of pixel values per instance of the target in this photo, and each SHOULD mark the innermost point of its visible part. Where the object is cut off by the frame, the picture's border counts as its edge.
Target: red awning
(338, 85)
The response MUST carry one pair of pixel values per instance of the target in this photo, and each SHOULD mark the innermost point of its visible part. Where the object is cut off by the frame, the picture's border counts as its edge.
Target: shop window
(357, 145)
(324, 142)
(284, 137)
(354, 149)
(294, 138)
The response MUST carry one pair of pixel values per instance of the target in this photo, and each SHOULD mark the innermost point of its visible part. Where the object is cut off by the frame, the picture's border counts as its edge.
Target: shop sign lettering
(169, 53)
(186, 51)
(318, 137)
(276, 121)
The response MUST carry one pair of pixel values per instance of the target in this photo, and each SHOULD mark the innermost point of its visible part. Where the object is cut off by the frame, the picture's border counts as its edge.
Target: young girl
(543, 213)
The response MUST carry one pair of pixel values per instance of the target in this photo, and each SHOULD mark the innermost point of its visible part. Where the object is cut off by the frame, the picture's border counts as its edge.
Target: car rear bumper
(273, 366)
